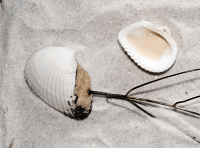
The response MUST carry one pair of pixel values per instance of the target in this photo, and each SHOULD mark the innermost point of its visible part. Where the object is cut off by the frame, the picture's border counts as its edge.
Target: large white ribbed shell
(142, 29)
(51, 73)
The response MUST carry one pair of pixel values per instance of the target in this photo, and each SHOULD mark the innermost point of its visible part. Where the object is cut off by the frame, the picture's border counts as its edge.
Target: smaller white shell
(152, 48)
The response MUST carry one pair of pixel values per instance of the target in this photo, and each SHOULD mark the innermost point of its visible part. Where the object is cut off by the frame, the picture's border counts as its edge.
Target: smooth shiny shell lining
(145, 37)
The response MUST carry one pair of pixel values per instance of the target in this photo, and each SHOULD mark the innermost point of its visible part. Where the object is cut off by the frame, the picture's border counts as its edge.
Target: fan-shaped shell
(53, 73)
(152, 48)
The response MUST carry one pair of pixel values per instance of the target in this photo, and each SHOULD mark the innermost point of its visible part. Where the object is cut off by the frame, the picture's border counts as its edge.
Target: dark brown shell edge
(79, 112)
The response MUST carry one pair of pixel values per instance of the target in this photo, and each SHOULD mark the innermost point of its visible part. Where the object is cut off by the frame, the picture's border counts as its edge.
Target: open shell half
(152, 48)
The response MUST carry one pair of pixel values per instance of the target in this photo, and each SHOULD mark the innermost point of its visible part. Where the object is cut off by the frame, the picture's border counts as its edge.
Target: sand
(91, 28)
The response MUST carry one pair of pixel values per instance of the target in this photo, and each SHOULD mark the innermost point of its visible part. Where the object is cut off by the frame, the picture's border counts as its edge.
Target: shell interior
(152, 48)
(51, 73)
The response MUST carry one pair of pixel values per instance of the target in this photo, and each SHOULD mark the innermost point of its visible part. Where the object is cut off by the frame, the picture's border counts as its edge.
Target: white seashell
(152, 48)
(55, 76)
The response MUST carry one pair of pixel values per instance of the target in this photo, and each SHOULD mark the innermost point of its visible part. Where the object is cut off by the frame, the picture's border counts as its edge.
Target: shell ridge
(37, 64)
(48, 83)
(63, 90)
(65, 100)
(44, 73)
(42, 66)
(55, 85)
(59, 87)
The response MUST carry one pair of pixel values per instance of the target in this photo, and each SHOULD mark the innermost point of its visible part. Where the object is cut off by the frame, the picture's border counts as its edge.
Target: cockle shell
(152, 48)
(58, 80)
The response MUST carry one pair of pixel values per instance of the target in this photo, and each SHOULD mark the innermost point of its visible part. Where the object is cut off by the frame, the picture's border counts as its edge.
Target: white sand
(91, 27)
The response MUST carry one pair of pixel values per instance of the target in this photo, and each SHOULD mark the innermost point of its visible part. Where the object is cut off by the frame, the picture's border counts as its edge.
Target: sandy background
(91, 28)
